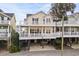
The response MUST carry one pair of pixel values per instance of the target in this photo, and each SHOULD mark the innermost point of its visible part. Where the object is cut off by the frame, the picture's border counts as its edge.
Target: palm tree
(60, 10)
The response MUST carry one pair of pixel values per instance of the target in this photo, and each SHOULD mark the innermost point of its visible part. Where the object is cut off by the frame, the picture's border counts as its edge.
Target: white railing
(2, 35)
(3, 30)
(67, 33)
(57, 34)
(67, 22)
(71, 33)
(4, 22)
(23, 34)
(36, 35)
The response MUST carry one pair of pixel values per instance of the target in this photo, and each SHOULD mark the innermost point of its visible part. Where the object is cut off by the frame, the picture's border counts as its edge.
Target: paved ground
(42, 53)
(40, 48)
(75, 46)
(68, 51)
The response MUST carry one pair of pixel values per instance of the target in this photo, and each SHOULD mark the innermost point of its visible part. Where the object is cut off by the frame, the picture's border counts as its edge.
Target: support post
(28, 44)
(70, 42)
(8, 41)
(29, 31)
(42, 31)
(62, 41)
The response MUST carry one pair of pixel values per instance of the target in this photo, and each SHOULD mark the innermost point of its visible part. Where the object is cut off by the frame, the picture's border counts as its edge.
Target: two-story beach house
(7, 24)
(40, 27)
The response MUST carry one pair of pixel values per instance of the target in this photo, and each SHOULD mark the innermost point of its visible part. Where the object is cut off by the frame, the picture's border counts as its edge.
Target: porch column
(70, 42)
(45, 30)
(70, 31)
(42, 39)
(28, 44)
(76, 40)
(59, 29)
(29, 31)
(51, 31)
(42, 31)
(19, 30)
(54, 29)
(8, 39)
(28, 41)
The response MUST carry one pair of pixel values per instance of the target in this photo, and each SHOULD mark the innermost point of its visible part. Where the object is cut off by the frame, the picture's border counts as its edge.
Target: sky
(21, 9)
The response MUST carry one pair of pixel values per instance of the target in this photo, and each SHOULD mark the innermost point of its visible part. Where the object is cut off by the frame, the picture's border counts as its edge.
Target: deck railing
(4, 22)
(57, 34)
(3, 30)
(67, 22)
(3, 34)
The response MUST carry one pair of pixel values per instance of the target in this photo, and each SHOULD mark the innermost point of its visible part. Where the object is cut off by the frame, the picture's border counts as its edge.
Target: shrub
(14, 42)
(13, 49)
(57, 43)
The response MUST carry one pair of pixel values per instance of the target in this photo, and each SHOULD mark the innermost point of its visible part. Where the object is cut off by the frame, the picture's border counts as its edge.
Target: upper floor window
(5, 18)
(43, 21)
(48, 20)
(8, 18)
(34, 20)
(43, 30)
(2, 18)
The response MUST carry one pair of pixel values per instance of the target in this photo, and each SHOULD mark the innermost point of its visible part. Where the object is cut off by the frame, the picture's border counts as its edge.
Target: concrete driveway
(42, 53)
(40, 48)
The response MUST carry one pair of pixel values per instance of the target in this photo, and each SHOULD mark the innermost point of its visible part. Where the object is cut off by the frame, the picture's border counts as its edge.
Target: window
(35, 30)
(66, 29)
(48, 20)
(43, 21)
(48, 31)
(2, 18)
(34, 20)
(43, 30)
(72, 29)
(8, 18)
(5, 18)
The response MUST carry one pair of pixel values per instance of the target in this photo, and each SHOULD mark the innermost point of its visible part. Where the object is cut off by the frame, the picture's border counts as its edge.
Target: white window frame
(35, 21)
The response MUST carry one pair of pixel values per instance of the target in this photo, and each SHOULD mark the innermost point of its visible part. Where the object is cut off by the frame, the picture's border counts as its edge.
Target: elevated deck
(25, 36)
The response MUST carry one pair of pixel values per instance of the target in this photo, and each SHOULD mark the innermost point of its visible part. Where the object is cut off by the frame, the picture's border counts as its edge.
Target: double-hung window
(43, 21)
(2, 18)
(34, 20)
(48, 20)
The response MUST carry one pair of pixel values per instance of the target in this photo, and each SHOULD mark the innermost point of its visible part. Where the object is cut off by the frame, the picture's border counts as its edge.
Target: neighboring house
(40, 26)
(7, 24)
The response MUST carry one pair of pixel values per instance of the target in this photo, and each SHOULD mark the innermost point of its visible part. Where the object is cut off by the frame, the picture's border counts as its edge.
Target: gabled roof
(29, 15)
(7, 14)
(36, 13)
(10, 14)
(40, 12)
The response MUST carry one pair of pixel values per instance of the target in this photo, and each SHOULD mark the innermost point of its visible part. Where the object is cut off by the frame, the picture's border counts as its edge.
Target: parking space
(37, 47)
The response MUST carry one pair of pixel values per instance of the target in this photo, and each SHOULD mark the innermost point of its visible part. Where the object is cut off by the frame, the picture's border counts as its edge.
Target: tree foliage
(60, 9)
(14, 42)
